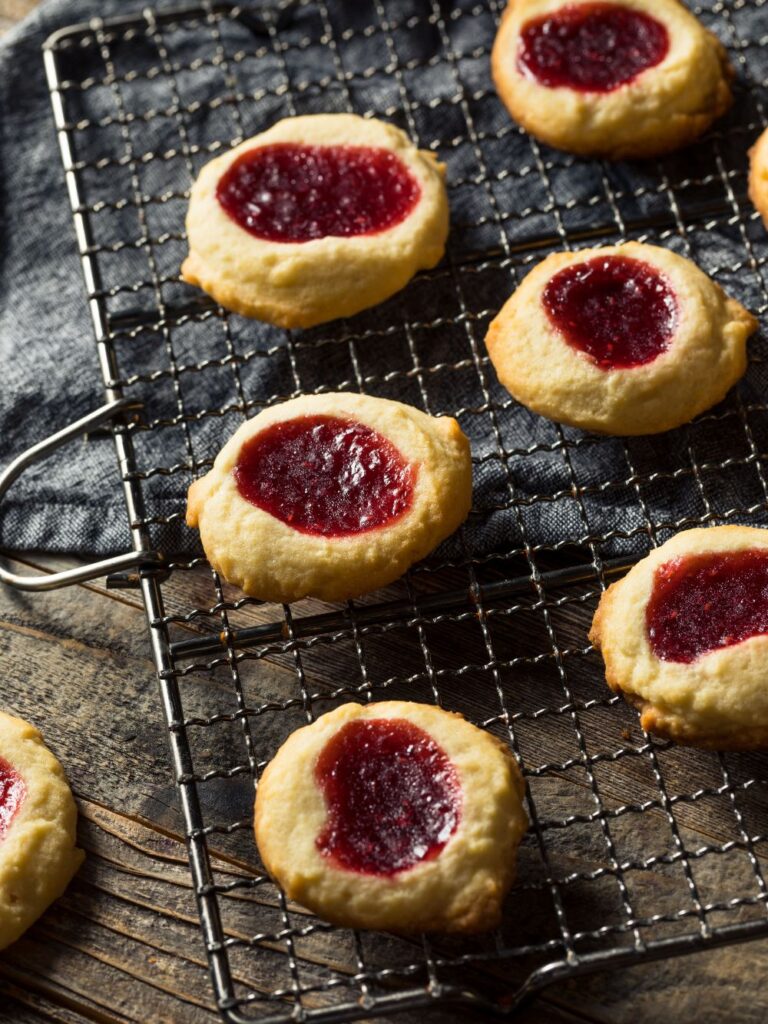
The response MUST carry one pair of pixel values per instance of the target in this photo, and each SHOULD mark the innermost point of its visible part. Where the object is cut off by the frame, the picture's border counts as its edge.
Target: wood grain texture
(123, 944)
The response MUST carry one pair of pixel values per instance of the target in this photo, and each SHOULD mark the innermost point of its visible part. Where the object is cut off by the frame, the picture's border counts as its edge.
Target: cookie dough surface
(270, 560)
(664, 108)
(38, 856)
(758, 175)
(718, 701)
(299, 284)
(461, 890)
(705, 357)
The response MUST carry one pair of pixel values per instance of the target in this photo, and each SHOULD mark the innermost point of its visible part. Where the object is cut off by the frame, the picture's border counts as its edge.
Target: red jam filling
(393, 797)
(621, 312)
(701, 603)
(325, 475)
(593, 47)
(287, 192)
(12, 792)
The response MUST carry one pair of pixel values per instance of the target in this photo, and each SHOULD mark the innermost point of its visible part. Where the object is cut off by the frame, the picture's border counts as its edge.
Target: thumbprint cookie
(758, 176)
(617, 79)
(38, 818)
(319, 217)
(395, 816)
(625, 339)
(331, 496)
(684, 636)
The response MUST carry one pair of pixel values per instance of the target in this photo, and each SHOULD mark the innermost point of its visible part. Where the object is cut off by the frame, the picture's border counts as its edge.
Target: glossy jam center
(292, 193)
(591, 47)
(12, 792)
(393, 797)
(325, 475)
(704, 602)
(621, 312)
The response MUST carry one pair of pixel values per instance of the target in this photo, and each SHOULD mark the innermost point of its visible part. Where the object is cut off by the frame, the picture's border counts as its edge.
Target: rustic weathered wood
(123, 945)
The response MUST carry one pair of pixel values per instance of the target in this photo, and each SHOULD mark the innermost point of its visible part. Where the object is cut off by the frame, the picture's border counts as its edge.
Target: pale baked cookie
(37, 828)
(625, 339)
(331, 496)
(395, 816)
(319, 217)
(626, 78)
(758, 176)
(684, 636)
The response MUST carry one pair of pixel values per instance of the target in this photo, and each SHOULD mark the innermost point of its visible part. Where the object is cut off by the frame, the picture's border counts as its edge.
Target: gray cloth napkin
(553, 486)
(49, 373)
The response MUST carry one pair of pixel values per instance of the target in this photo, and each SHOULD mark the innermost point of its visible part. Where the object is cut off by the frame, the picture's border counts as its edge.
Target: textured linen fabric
(511, 202)
(49, 374)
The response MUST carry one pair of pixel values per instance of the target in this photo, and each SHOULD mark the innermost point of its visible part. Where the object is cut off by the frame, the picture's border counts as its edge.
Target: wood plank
(125, 936)
(123, 944)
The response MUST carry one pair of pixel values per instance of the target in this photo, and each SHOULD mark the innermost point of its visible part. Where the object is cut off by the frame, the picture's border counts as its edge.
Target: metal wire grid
(636, 849)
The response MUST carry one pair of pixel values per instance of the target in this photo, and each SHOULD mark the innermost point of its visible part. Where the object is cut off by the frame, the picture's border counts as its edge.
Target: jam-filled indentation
(287, 192)
(592, 47)
(325, 475)
(702, 603)
(619, 311)
(392, 795)
(12, 793)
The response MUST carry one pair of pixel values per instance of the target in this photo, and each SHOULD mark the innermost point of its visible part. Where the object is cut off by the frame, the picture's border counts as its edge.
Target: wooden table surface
(123, 944)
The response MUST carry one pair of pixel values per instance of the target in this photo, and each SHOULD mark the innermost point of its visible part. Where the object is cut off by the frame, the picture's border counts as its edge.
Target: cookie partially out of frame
(396, 816)
(684, 636)
(618, 79)
(317, 218)
(38, 818)
(758, 175)
(625, 339)
(331, 496)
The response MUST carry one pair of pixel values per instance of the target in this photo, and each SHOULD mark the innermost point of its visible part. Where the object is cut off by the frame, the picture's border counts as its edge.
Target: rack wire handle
(117, 563)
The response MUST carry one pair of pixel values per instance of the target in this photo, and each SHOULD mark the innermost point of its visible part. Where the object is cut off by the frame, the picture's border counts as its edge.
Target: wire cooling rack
(637, 849)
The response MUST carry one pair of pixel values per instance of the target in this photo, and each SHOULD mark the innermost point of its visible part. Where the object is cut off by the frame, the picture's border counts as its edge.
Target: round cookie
(758, 176)
(331, 496)
(625, 339)
(38, 819)
(618, 79)
(396, 816)
(684, 636)
(317, 218)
